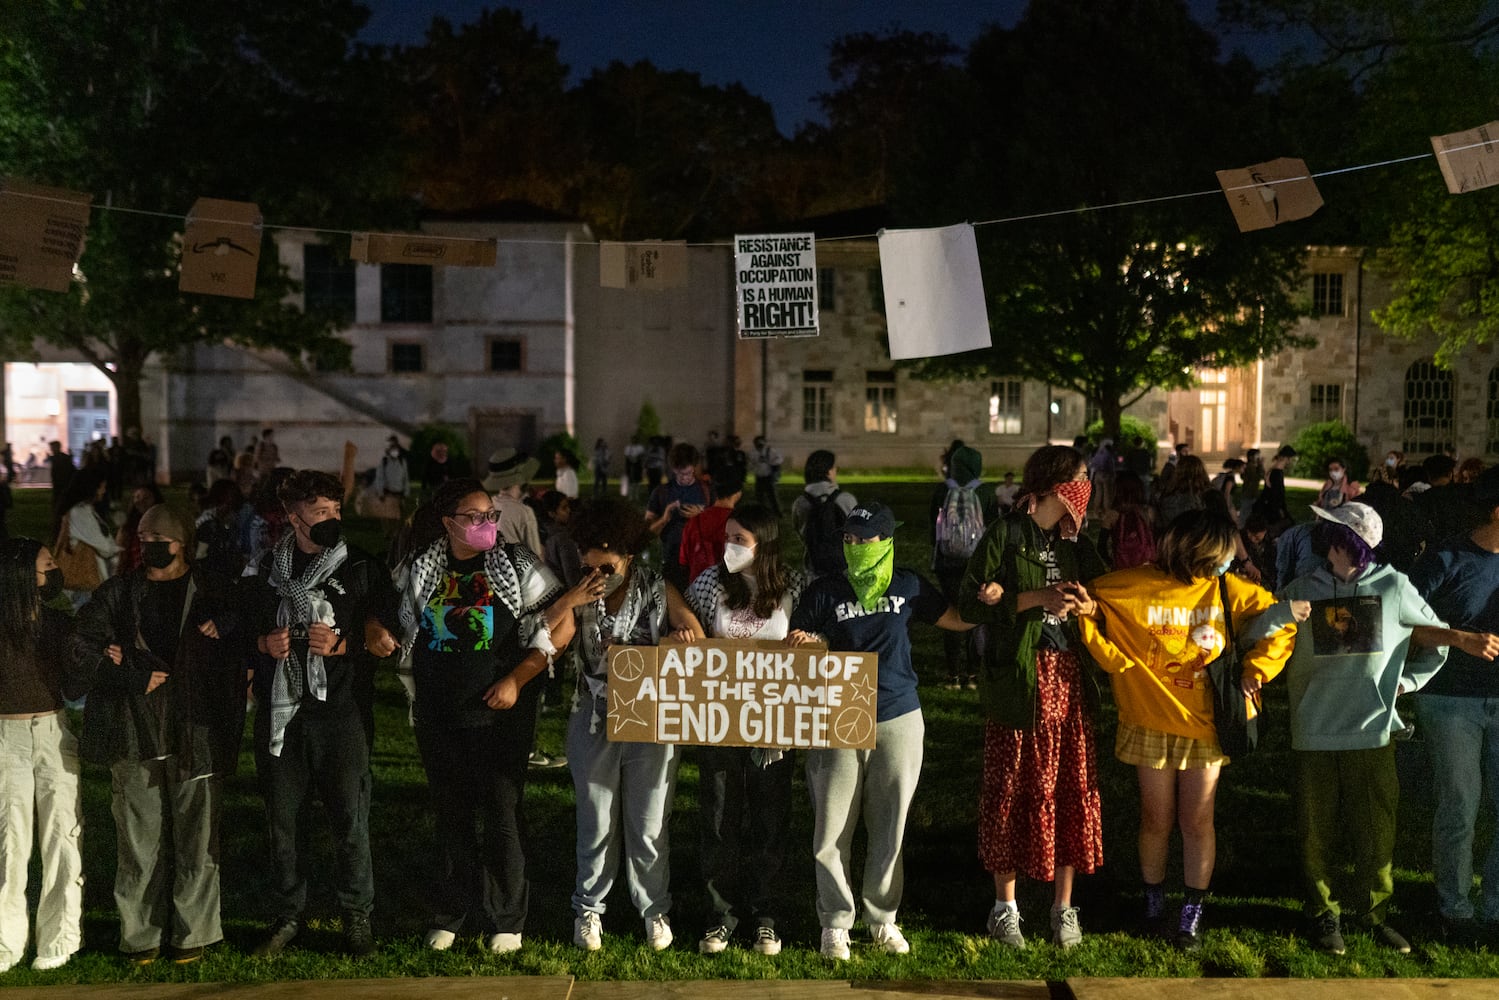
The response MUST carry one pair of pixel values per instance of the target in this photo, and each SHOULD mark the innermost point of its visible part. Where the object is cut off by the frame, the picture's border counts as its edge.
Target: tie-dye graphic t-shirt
(467, 642)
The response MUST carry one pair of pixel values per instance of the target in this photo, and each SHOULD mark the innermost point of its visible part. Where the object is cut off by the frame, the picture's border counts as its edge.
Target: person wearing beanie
(164, 713)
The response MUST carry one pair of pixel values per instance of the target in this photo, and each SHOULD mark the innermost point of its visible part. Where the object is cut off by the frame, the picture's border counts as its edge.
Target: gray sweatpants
(167, 846)
(879, 785)
(624, 794)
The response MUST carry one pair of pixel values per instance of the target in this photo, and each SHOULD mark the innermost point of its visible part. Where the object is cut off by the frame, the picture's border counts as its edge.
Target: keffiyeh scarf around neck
(427, 569)
(294, 678)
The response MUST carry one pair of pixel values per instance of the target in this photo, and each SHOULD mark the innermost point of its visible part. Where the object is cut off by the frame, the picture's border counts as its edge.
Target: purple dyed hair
(1340, 536)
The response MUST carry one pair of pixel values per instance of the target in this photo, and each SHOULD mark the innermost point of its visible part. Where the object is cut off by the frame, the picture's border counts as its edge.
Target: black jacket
(197, 715)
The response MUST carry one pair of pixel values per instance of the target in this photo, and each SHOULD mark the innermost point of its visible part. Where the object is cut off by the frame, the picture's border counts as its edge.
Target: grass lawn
(1255, 929)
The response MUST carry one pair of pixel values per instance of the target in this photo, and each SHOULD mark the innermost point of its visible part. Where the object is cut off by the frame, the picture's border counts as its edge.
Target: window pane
(1004, 407)
(1428, 409)
(504, 355)
(826, 290)
(406, 357)
(879, 409)
(327, 282)
(405, 293)
(876, 290)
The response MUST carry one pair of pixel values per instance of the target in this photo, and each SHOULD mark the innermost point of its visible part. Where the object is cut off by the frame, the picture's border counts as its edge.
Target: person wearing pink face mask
(479, 622)
(1039, 810)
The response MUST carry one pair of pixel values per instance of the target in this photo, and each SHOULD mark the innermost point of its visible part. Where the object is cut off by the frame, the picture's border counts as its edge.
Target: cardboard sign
(1469, 160)
(652, 265)
(934, 292)
(777, 280)
(742, 693)
(41, 234)
(1268, 194)
(221, 248)
(413, 248)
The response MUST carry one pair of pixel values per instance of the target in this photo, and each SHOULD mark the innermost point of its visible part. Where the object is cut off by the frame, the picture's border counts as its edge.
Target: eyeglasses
(477, 517)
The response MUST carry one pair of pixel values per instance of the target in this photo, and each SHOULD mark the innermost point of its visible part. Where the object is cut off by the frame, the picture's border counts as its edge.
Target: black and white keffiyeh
(294, 678)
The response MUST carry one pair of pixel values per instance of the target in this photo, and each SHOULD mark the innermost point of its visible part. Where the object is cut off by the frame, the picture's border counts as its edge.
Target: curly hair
(308, 485)
(426, 523)
(610, 524)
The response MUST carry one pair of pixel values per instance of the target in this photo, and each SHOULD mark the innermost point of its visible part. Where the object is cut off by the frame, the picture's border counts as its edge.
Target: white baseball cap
(1363, 519)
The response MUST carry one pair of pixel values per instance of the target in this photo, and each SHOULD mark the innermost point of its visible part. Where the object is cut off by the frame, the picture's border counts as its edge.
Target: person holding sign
(624, 790)
(1039, 811)
(745, 792)
(479, 621)
(868, 608)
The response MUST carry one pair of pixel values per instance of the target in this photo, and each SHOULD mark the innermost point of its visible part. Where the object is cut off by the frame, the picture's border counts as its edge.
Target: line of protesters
(478, 624)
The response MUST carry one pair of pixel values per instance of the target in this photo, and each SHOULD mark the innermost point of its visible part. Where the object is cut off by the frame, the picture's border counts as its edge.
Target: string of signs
(934, 298)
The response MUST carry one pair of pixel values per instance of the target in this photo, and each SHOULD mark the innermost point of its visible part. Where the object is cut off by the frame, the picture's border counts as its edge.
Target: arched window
(1428, 409)
(1493, 412)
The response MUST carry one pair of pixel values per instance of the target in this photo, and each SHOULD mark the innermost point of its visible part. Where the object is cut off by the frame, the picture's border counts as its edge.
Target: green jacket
(1010, 554)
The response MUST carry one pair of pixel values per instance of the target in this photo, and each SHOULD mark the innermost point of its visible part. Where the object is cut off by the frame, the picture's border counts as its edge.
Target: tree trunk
(127, 381)
(1112, 412)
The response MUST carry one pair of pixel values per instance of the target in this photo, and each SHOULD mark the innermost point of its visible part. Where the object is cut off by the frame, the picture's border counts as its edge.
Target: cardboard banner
(742, 693)
(1268, 194)
(934, 292)
(1469, 160)
(414, 248)
(652, 265)
(41, 234)
(777, 280)
(221, 248)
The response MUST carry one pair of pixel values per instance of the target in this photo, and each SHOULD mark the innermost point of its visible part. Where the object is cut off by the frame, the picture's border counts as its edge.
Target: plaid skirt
(1039, 807)
(1165, 751)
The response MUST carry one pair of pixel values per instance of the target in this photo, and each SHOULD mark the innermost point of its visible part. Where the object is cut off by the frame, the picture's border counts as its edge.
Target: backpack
(1133, 539)
(960, 523)
(823, 535)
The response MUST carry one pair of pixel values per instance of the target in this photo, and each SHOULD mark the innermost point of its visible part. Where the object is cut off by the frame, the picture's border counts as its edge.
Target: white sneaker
(6, 965)
(46, 963)
(889, 939)
(835, 944)
(658, 932)
(503, 944)
(440, 940)
(588, 932)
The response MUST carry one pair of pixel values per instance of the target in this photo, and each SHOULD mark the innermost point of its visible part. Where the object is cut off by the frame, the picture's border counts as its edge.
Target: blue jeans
(1462, 738)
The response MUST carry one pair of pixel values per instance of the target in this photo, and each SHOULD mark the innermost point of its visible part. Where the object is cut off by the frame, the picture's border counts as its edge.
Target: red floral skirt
(1039, 807)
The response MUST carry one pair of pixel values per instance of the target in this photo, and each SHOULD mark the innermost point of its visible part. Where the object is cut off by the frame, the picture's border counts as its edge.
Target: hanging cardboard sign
(415, 248)
(221, 248)
(742, 693)
(1268, 194)
(1469, 160)
(934, 292)
(41, 234)
(776, 277)
(651, 265)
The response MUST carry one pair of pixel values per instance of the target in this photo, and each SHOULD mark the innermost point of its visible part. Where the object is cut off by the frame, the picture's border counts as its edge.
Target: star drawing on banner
(623, 711)
(862, 690)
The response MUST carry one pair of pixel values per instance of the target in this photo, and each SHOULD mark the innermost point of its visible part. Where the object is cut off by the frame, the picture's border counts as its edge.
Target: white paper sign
(776, 275)
(1469, 160)
(934, 293)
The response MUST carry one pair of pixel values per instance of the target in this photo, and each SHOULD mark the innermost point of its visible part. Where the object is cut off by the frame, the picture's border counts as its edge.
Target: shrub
(561, 441)
(1131, 429)
(1317, 444)
(459, 460)
(648, 424)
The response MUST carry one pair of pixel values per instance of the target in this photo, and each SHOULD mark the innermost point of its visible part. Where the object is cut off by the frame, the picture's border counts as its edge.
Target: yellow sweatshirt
(1155, 635)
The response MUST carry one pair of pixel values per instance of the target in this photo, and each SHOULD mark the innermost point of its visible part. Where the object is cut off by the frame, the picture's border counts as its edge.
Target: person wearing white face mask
(624, 790)
(1338, 488)
(748, 594)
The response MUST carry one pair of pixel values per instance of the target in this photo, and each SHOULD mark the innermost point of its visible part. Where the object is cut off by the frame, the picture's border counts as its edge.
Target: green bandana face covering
(870, 567)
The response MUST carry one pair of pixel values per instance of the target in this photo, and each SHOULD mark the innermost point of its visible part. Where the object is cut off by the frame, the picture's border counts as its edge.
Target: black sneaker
(187, 956)
(1189, 930)
(1462, 932)
(143, 957)
(714, 941)
(277, 937)
(1328, 935)
(1390, 938)
(359, 938)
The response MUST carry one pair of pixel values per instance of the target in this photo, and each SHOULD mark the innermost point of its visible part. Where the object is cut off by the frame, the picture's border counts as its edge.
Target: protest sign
(1268, 194)
(934, 293)
(742, 693)
(1469, 160)
(221, 248)
(414, 248)
(41, 234)
(652, 265)
(776, 276)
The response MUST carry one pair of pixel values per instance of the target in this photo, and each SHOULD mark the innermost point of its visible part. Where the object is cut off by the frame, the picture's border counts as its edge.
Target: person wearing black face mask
(40, 767)
(314, 687)
(164, 713)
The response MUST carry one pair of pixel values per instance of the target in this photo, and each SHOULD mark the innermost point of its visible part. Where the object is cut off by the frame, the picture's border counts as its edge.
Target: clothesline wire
(1029, 217)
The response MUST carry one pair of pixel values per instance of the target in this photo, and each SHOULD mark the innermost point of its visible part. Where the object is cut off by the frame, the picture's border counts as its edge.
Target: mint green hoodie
(1351, 662)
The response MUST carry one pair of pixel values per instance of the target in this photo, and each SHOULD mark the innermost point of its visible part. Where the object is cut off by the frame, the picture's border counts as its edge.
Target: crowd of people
(490, 590)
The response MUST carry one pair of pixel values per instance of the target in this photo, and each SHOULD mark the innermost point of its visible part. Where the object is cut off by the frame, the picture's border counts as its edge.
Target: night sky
(778, 49)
